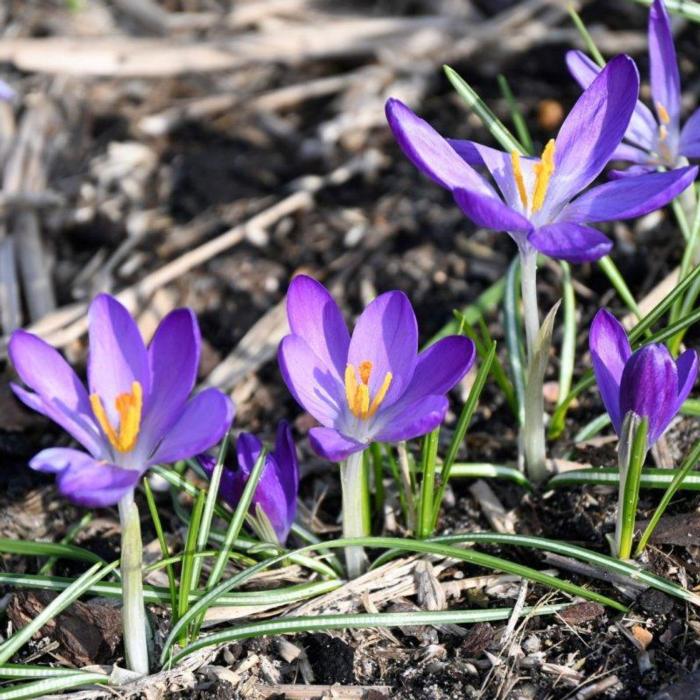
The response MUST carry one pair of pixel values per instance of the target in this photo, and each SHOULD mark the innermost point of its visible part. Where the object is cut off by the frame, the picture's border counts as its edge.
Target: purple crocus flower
(137, 412)
(539, 204)
(653, 139)
(648, 381)
(276, 493)
(373, 385)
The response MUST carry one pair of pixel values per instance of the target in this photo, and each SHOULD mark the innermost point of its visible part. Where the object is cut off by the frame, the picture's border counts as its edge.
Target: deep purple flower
(138, 411)
(276, 493)
(647, 381)
(373, 385)
(539, 204)
(652, 139)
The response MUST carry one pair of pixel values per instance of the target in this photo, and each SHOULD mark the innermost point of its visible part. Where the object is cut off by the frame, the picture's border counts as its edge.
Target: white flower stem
(533, 439)
(355, 520)
(528, 286)
(133, 610)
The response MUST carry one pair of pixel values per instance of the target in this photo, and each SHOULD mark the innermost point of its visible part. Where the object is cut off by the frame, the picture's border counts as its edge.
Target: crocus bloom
(648, 381)
(276, 493)
(373, 385)
(136, 412)
(539, 204)
(656, 138)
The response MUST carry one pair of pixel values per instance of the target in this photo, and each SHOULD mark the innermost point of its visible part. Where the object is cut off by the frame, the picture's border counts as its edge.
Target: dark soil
(384, 229)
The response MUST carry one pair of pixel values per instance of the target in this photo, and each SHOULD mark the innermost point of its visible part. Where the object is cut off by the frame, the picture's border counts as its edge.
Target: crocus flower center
(129, 406)
(357, 392)
(543, 174)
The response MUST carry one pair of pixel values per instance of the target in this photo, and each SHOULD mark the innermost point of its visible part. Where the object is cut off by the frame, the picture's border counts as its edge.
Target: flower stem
(355, 520)
(133, 610)
(533, 439)
(528, 285)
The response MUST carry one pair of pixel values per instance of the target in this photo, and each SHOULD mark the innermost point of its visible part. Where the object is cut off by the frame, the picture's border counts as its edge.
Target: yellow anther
(381, 394)
(129, 407)
(664, 116)
(357, 393)
(543, 173)
(365, 370)
(518, 175)
(663, 132)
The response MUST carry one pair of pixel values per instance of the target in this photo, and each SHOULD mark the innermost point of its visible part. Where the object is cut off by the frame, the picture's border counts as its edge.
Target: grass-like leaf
(605, 562)
(610, 476)
(685, 8)
(48, 549)
(483, 111)
(319, 623)
(50, 686)
(484, 470)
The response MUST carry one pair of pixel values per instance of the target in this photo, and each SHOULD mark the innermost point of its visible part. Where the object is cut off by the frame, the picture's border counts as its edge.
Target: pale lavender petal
(54, 460)
(203, 422)
(631, 154)
(629, 197)
(441, 366)
(574, 243)
(285, 455)
(330, 444)
(311, 383)
(7, 93)
(665, 77)
(430, 152)
(94, 484)
(386, 334)
(407, 420)
(649, 388)
(314, 316)
(690, 136)
(687, 367)
(491, 212)
(610, 350)
(632, 171)
(117, 355)
(593, 130)
(60, 395)
(173, 355)
(500, 165)
(643, 127)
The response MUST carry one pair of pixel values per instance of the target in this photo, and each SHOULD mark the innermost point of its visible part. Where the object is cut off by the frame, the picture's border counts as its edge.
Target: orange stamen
(129, 407)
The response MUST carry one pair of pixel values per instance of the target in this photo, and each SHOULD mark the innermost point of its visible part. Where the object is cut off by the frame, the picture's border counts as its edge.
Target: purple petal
(386, 334)
(314, 316)
(610, 350)
(311, 383)
(60, 395)
(593, 130)
(500, 166)
(649, 388)
(690, 136)
(632, 154)
(269, 493)
(441, 366)
(491, 212)
(629, 197)
(229, 487)
(202, 423)
(330, 444)
(55, 460)
(642, 129)
(117, 355)
(7, 93)
(632, 171)
(411, 419)
(687, 367)
(430, 152)
(174, 359)
(285, 455)
(87, 481)
(574, 243)
(665, 78)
